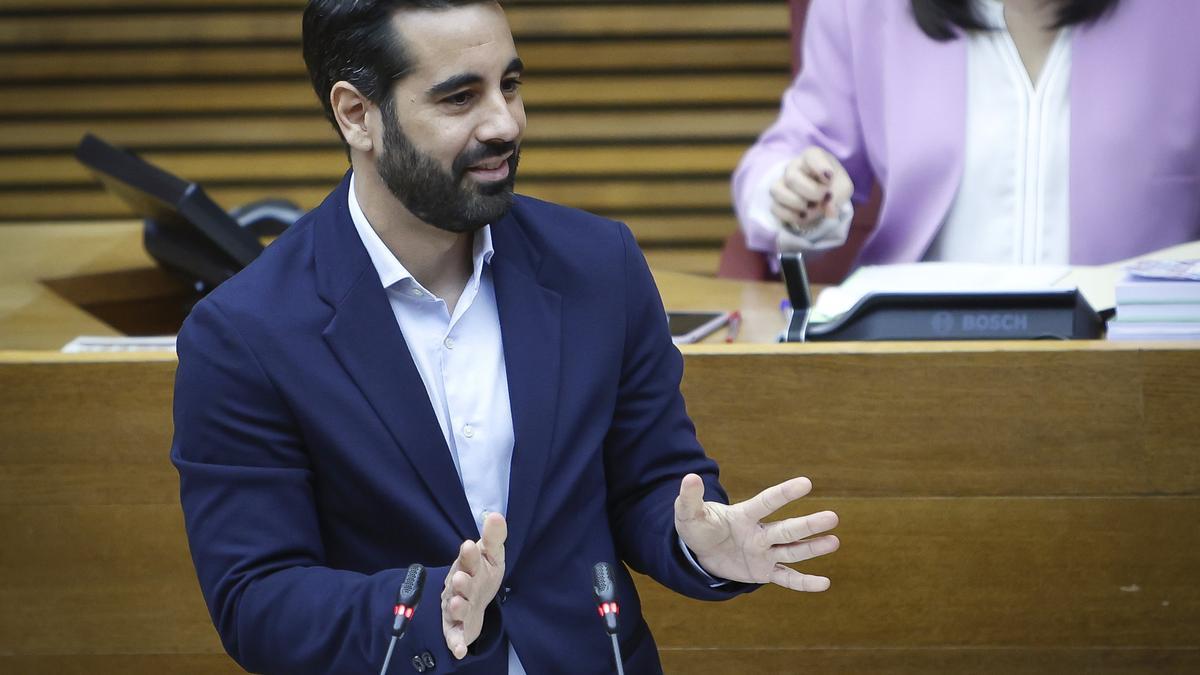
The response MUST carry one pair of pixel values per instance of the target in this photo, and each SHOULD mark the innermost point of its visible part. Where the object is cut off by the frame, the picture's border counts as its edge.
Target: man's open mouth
(492, 169)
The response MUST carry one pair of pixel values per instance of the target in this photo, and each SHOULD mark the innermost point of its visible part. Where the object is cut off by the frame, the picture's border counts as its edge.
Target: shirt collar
(388, 266)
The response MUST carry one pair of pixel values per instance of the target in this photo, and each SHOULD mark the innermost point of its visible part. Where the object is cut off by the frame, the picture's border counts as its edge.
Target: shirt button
(449, 342)
(469, 431)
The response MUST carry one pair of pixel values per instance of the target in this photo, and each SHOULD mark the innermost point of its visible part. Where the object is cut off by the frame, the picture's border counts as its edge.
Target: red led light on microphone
(608, 607)
(407, 611)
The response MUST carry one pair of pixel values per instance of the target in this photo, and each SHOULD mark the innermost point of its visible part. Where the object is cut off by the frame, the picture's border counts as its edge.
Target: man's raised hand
(471, 583)
(732, 542)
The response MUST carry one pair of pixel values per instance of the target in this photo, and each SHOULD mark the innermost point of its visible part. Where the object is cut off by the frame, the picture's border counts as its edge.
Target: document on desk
(87, 344)
(938, 277)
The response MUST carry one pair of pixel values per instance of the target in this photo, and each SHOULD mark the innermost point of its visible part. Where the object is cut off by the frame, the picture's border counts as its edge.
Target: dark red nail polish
(804, 215)
(828, 175)
(828, 196)
(812, 205)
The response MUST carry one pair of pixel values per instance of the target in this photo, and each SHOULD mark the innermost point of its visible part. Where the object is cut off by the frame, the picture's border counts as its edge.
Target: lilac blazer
(890, 103)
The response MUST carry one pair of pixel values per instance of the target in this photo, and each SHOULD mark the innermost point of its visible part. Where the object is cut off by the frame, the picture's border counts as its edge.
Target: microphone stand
(388, 659)
(617, 655)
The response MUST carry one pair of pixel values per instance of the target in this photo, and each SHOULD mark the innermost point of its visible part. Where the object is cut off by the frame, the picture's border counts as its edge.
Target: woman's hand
(814, 186)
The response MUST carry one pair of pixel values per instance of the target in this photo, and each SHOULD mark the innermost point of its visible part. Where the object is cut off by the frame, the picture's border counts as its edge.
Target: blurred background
(637, 111)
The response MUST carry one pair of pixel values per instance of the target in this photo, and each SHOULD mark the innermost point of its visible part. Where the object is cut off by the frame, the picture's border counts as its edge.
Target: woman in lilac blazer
(888, 103)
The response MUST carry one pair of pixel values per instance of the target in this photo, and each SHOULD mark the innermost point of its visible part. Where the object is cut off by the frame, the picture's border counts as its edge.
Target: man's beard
(447, 200)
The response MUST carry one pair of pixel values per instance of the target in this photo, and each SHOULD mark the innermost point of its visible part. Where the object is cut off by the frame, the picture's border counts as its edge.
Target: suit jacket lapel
(531, 326)
(364, 336)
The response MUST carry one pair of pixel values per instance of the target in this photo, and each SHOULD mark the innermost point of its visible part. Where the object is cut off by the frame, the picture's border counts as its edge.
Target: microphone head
(414, 582)
(407, 598)
(602, 583)
(605, 589)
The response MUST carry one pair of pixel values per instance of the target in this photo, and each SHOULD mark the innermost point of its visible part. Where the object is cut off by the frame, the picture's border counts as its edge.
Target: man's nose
(503, 120)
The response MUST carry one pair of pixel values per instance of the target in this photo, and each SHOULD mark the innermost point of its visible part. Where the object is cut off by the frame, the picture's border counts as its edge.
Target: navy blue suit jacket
(313, 470)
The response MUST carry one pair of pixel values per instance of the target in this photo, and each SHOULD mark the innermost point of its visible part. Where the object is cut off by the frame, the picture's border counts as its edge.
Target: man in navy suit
(427, 369)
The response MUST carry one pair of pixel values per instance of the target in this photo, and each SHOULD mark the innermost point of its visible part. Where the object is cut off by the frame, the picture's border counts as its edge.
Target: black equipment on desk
(185, 231)
(1034, 315)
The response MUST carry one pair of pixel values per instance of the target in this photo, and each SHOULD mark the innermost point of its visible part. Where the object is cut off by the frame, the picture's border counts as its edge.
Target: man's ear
(350, 109)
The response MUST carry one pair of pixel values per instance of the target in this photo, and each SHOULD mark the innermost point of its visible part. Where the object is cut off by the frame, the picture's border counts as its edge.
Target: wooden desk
(1006, 507)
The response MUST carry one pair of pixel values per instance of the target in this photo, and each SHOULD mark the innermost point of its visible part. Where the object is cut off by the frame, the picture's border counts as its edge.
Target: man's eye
(512, 85)
(461, 98)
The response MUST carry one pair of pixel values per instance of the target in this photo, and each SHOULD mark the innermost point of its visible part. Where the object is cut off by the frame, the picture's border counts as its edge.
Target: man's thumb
(491, 540)
(690, 503)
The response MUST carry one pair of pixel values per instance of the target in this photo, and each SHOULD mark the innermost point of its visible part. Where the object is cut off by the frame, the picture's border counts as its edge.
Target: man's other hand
(731, 542)
(472, 582)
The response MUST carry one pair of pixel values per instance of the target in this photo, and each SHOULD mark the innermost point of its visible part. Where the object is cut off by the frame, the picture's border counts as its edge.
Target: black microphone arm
(407, 599)
(605, 591)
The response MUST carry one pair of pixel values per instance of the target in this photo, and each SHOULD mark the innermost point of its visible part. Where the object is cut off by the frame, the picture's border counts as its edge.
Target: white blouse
(1012, 205)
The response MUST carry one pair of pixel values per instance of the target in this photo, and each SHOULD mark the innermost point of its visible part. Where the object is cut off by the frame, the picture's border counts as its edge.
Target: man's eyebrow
(457, 82)
(453, 84)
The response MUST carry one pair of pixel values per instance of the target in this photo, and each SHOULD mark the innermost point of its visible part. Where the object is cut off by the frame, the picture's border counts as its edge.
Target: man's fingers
(805, 550)
(491, 542)
(460, 585)
(468, 558)
(794, 529)
(457, 608)
(689, 505)
(456, 639)
(790, 578)
(776, 497)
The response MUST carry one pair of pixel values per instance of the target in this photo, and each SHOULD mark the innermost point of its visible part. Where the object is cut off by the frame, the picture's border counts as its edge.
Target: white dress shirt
(1012, 204)
(460, 357)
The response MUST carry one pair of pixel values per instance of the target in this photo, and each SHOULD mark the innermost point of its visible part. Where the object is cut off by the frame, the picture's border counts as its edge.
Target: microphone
(605, 591)
(407, 599)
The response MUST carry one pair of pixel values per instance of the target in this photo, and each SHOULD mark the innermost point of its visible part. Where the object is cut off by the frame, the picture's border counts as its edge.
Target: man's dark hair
(939, 18)
(353, 40)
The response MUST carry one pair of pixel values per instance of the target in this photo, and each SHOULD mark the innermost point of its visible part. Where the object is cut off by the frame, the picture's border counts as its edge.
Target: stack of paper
(1158, 300)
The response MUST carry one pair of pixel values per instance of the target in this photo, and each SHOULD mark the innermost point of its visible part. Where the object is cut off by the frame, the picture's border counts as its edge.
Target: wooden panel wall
(1046, 519)
(638, 110)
